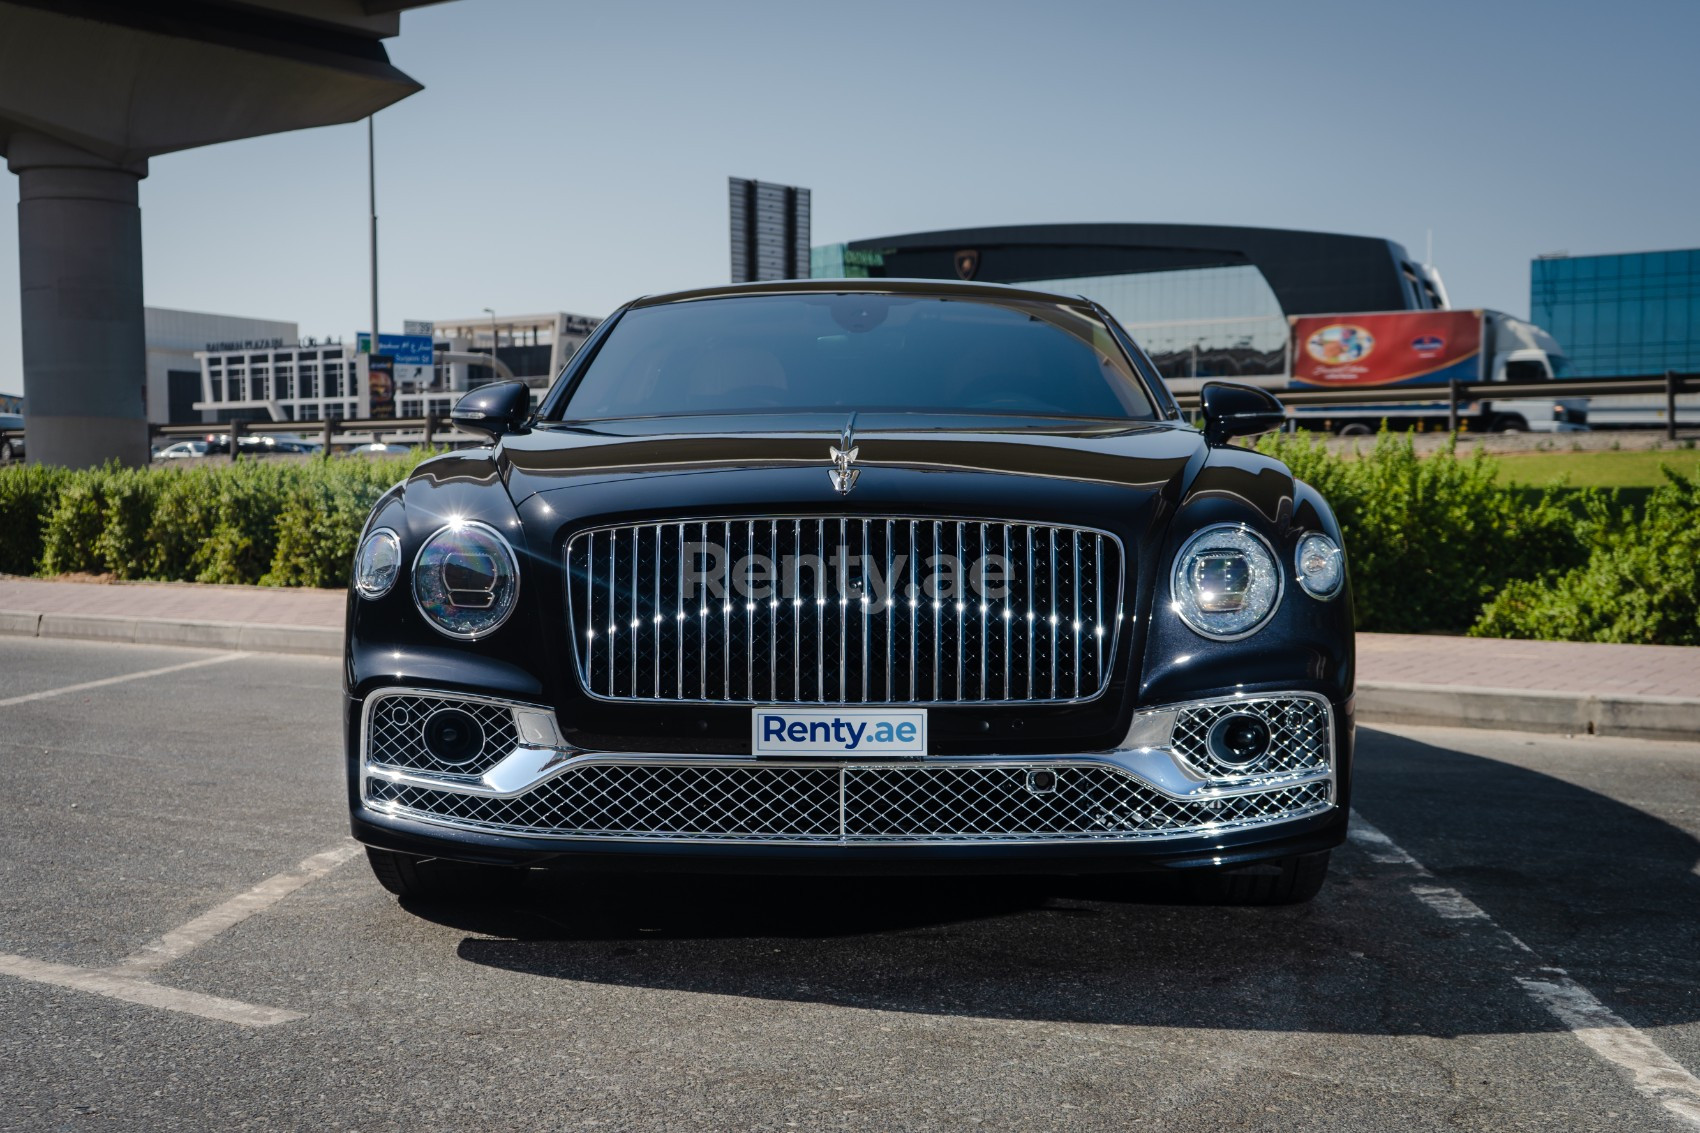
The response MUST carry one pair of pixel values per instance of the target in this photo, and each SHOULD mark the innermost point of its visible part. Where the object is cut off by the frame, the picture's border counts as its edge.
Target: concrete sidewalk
(1548, 686)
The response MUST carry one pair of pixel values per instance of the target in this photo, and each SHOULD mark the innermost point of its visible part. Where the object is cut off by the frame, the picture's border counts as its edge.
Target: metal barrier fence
(1456, 394)
(1453, 395)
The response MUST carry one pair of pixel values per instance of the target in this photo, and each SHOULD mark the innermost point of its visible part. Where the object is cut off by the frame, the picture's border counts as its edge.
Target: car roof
(938, 288)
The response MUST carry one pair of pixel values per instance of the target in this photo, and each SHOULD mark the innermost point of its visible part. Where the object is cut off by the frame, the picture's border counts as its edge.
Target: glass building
(1637, 313)
(1203, 300)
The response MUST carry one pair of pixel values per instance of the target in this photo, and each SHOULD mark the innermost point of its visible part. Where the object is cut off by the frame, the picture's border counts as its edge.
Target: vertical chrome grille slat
(749, 613)
(843, 599)
(820, 611)
(1098, 629)
(890, 613)
(613, 613)
(1074, 564)
(1051, 621)
(1049, 588)
(863, 602)
(1032, 618)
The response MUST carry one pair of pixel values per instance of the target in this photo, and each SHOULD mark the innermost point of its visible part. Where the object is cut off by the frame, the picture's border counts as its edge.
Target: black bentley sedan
(853, 576)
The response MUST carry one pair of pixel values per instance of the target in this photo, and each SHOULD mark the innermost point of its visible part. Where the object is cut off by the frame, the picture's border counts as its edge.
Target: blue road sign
(406, 349)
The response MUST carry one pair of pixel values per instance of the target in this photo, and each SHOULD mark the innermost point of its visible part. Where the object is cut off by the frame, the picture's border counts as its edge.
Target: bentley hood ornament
(843, 456)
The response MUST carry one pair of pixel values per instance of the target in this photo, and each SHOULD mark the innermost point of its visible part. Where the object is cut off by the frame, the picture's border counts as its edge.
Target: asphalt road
(136, 806)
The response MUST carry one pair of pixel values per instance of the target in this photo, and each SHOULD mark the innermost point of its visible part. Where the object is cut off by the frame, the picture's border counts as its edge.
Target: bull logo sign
(967, 263)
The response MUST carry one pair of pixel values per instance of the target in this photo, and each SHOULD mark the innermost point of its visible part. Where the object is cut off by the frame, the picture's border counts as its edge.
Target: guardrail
(430, 429)
(1454, 394)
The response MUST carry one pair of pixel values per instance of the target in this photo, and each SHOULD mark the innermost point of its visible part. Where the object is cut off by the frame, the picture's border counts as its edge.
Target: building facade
(1203, 300)
(175, 340)
(286, 379)
(1637, 313)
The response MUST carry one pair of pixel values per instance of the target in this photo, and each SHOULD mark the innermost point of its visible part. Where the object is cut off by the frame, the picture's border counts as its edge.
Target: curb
(1378, 702)
(1529, 710)
(255, 637)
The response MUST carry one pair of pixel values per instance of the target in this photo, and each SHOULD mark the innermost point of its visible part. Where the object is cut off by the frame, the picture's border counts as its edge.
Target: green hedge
(274, 523)
(1640, 583)
(1435, 544)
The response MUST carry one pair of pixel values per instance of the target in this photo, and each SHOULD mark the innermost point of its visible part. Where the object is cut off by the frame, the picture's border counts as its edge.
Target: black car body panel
(1148, 483)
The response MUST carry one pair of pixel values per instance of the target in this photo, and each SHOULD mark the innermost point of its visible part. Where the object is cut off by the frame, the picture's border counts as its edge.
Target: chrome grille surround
(688, 800)
(823, 638)
(393, 731)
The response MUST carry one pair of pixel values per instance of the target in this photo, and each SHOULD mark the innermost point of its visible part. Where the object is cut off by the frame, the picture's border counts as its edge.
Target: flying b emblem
(843, 456)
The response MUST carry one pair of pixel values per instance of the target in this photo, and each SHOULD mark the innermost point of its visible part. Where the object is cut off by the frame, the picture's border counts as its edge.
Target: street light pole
(372, 201)
(493, 339)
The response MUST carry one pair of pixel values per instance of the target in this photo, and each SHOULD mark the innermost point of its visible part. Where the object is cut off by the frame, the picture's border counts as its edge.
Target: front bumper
(1157, 800)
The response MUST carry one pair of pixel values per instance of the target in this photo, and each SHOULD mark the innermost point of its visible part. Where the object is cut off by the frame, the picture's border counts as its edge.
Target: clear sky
(570, 156)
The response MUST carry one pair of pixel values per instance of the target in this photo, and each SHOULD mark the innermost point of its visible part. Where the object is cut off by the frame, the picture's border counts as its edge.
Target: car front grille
(832, 803)
(844, 610)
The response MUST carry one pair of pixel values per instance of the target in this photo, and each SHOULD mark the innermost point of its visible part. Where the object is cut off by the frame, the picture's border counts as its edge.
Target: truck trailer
(1422, 350)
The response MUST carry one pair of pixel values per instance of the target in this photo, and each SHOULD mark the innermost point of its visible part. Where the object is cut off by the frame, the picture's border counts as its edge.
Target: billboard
(380, 385)
(1386, 348)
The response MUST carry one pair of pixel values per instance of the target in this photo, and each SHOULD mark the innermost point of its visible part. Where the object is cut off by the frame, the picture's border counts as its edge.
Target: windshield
(859, 351)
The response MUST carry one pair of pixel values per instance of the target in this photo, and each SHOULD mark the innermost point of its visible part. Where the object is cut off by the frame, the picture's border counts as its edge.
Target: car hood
(791, 453)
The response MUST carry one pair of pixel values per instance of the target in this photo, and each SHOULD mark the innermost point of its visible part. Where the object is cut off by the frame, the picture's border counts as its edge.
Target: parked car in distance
(257, 444)
(11, 448)
(182, 450)
(853, 576)
(380, 448)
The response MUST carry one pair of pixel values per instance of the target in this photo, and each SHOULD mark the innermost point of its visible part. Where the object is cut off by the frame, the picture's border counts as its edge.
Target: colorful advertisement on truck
(1392, 348)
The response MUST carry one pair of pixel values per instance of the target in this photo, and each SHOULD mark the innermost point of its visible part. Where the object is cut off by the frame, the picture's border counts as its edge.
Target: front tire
(1289, 881)
(438, 879)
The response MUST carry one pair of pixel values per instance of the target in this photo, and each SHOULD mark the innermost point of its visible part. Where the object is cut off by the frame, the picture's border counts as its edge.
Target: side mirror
(1232, 410)
(495, 410)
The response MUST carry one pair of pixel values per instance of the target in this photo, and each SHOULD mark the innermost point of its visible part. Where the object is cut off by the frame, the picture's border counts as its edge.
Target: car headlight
(1225, 583)
(377, 563)
(466, 580)
(1321, 565)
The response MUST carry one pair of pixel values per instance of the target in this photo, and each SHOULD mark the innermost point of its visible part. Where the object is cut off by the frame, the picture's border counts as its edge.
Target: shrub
(72, 525)
(320, 523)
(1641, 582)
(1431, 539)
(27, 493)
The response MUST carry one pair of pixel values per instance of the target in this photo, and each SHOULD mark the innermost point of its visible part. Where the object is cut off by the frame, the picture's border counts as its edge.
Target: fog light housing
(453, 735)
(1239, 739)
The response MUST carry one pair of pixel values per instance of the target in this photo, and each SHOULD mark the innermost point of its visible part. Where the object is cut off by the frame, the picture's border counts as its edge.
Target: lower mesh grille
(1298, 735)
(833, 803)
(396, 733)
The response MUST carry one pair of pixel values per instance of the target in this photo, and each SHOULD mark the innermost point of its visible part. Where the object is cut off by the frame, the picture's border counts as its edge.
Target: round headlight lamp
(377, 563)
(1321, 566)
(1225, 584)
(466, 580)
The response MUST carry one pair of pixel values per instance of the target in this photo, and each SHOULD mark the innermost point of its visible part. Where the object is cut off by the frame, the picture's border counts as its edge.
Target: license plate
(851, 732)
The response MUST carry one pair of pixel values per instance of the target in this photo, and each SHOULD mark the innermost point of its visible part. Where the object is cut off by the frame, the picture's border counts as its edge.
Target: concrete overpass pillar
(80, 264)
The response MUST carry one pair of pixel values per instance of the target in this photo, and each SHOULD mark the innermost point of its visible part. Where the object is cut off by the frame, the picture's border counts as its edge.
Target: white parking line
(104, 681)
(132, 990)
(1653, 1073)
(181, 941)
(126, 980)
